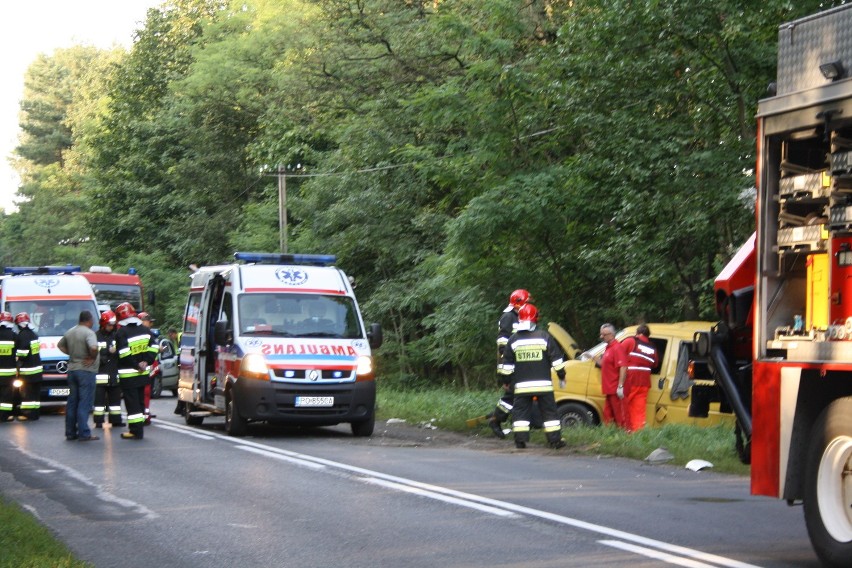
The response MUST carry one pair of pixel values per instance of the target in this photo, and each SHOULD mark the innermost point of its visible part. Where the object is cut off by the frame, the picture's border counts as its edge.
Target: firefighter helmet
(107, 318)
(7, 320)
(518, 298)
(125, 310)
(528, 312)
(22, 319)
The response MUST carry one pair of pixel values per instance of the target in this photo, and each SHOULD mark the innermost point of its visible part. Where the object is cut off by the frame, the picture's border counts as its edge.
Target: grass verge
(450, 409)
(28, 544)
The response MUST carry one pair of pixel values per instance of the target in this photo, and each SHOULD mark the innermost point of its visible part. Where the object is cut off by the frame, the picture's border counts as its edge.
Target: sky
(31, 27)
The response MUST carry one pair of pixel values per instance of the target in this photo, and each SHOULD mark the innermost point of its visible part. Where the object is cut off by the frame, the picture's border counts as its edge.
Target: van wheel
(574, 414)
(191, 420)
(157, 387)
(235, 424)
(828, 484)
(364, 429)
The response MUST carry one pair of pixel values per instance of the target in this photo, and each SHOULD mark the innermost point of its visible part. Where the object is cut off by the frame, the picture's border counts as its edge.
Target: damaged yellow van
(581, 402)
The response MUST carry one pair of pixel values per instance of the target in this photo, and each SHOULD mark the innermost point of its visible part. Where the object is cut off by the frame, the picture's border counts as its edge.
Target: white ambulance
(53, 297)
(277, 338)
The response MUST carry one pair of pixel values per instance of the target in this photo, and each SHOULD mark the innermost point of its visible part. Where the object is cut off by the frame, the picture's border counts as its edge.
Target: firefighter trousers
(107, 403)
(134, 404)
(522, 415)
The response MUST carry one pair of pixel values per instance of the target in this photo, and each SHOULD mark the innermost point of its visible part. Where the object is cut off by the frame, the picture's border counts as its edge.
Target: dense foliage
(598, 153)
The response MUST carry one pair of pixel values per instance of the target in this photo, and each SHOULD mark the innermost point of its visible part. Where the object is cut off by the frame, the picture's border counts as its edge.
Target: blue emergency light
(20, 270)
(281, 258)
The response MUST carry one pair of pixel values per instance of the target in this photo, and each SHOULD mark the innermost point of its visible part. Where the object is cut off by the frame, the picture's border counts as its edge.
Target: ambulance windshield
(53, 317)
(299, 315)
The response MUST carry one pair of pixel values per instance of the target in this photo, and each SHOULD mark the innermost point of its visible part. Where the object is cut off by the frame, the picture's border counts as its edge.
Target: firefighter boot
(496, 428)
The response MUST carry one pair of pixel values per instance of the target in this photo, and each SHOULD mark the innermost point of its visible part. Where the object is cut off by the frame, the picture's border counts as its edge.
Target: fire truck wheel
(364, 428)
(573, 414)
(828, 484)
(235, 424)
(187, 416)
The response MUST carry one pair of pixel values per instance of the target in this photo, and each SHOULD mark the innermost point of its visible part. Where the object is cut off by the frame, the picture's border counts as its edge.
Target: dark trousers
(522, 416)
(134, 404)
(108, 402)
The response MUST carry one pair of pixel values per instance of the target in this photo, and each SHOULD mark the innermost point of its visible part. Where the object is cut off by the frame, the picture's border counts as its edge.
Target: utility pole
(282, 208)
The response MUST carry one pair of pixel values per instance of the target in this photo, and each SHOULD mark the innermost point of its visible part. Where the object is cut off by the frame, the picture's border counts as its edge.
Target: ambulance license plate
(58, 392)
(314, 401)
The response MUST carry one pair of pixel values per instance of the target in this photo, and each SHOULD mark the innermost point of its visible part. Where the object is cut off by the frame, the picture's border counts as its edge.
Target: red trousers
(634, 403)
(614, 411)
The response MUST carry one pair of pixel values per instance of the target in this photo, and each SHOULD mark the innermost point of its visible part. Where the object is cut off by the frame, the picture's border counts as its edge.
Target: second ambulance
(277, 338)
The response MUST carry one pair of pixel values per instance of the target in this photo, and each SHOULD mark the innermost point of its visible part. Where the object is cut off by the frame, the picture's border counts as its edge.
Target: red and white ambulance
(277, 338)
(53, 296)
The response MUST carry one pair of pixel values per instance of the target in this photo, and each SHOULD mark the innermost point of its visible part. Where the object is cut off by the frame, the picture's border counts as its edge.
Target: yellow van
(581, 402)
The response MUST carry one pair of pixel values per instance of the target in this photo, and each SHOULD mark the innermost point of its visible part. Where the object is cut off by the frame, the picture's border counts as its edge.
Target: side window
(661, 344)
(190, 318)
(227, 313)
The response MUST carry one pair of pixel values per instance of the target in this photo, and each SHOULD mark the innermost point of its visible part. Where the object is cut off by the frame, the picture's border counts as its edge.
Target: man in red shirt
(642, 357)
(613, 366)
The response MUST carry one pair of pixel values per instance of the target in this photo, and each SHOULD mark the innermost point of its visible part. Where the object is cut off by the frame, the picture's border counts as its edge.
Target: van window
(661, 344)
(299, 315)
(190, 318)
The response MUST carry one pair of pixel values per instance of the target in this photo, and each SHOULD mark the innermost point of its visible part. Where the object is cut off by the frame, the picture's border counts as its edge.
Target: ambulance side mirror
(374, 335)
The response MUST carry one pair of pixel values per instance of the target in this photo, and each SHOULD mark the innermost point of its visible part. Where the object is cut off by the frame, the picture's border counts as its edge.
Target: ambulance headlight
(17, 383)
(364, 365)
(254, 367)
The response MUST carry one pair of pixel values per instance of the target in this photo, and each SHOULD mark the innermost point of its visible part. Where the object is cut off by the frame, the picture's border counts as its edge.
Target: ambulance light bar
(280, 258)
(19, 270)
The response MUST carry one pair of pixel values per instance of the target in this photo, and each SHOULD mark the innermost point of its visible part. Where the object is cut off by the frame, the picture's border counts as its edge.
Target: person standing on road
(8, 366)
(148, 322)
(30, 368)
(613, 364)
(642, 357)
(136, 352)
(506, 326)
(81, 345)
(528, 359)
(107, 391)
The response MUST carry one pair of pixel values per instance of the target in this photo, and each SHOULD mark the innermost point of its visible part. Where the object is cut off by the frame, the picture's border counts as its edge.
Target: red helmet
(6, 316)
(528, 313)
(125, 310)
(519, 297)
(107, 318)
(22, 317)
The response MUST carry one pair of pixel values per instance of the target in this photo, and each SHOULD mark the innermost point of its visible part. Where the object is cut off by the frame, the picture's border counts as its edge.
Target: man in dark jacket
(29, 367)
(136, 352)
(528, 359)
(107, 391)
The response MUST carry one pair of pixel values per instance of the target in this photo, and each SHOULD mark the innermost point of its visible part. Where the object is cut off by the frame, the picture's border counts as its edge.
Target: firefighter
(506, 326)
(107, 389)
(148, 322)
(29, 368)
(642, 357)
(8, 366)
(136, 352)
(528, 358)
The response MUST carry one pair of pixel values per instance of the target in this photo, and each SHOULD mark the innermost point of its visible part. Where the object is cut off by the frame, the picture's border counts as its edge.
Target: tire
(157, 387)
(574, 414)
(828, 484)
(235, 424)
(364, 429)
(191, 420)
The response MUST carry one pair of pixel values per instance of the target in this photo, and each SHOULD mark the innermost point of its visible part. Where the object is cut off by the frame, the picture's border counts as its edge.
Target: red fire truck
(113, 288)
(781, 356)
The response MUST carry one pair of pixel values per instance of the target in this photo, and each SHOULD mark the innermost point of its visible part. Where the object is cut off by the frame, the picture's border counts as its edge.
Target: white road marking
(438, 492)
(439, 497)
(656, 554)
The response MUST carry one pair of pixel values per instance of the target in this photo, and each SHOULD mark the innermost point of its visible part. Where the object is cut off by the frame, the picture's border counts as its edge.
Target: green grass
(450, 409)
(27, 544)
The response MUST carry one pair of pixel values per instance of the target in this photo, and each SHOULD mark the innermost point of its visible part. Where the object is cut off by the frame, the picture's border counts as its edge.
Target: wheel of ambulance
(364, 428)
(574, 414)
(235, 424)
(828, 484)
(157, 387)
(188, 418)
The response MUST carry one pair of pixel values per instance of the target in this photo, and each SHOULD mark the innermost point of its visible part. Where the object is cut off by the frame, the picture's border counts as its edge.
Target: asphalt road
(193, 497)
